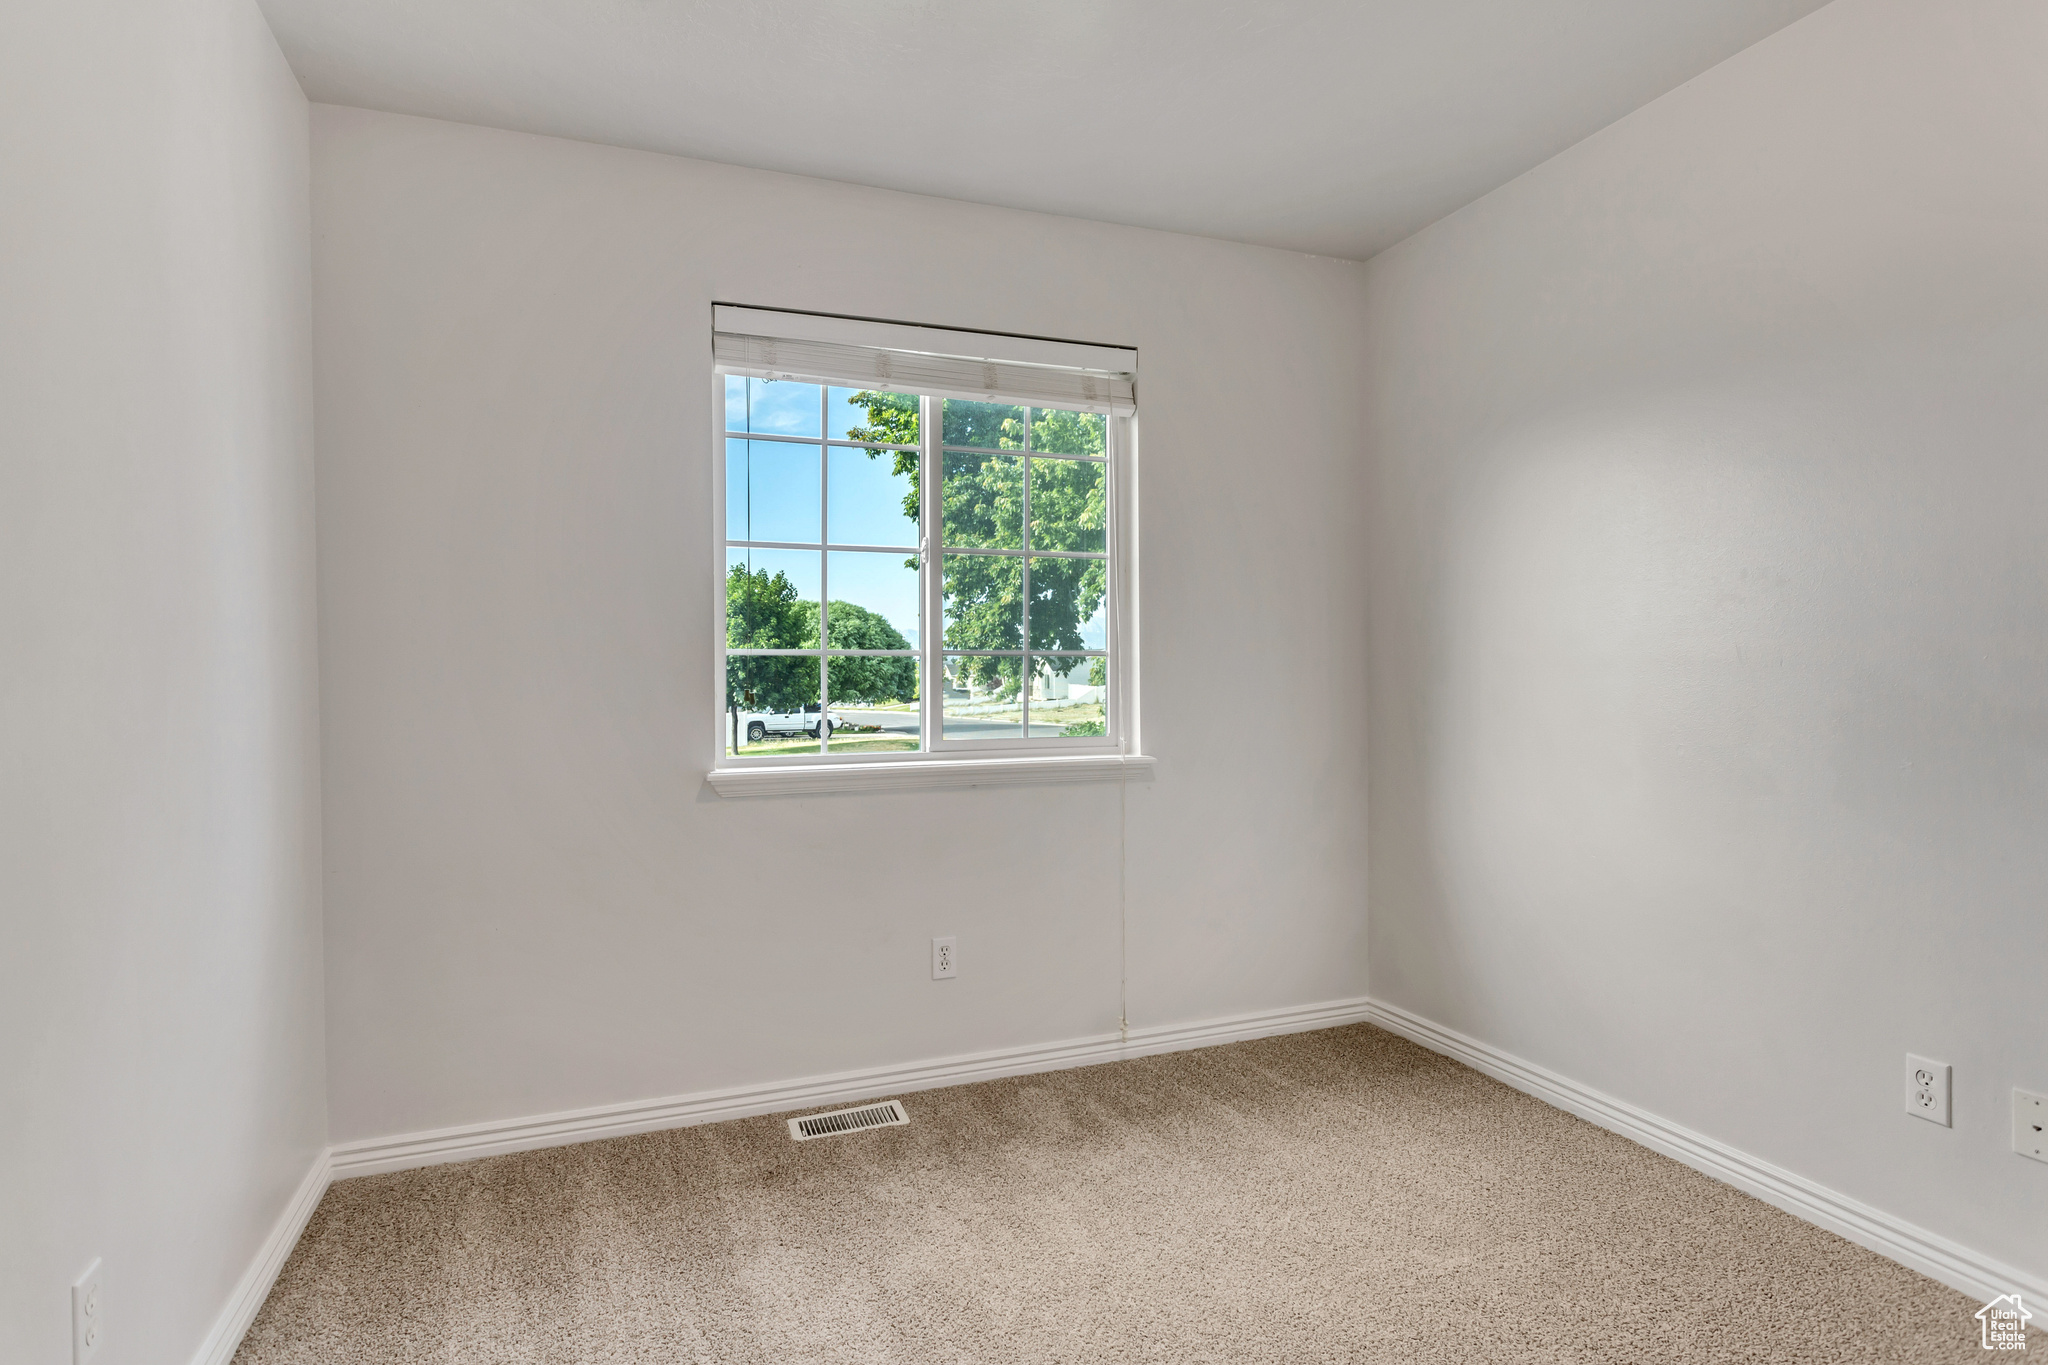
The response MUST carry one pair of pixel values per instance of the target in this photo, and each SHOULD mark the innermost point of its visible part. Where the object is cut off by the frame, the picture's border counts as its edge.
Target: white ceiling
(1323, 126)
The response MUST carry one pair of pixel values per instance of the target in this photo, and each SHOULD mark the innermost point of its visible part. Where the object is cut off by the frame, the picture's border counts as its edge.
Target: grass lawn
(1043, 714)
(841, 744)
(1064, 713)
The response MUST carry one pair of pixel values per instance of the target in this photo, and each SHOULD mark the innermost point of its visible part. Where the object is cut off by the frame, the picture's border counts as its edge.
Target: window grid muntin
(970, 550)
(836, 549)
(932, 651)
(807, 653)
(822, 442)
(1034, 454)
(1028, 456)
(843, 443)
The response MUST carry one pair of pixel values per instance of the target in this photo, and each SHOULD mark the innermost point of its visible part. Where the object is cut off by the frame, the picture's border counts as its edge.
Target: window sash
(932, 653)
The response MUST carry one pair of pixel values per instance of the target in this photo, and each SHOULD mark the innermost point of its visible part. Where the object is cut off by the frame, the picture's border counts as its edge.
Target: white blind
(765, 344)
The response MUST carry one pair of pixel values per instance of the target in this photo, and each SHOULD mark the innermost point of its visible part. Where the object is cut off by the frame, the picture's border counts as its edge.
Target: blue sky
(783, 408)
(772, 493)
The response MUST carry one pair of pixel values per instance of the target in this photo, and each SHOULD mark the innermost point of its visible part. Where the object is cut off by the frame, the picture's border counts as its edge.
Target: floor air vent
(887, 1114)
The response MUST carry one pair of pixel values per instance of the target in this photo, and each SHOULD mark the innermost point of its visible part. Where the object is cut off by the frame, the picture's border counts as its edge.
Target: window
(921, 545)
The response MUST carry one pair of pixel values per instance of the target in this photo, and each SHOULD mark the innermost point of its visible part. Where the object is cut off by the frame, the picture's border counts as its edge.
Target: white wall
(161, 1090)
(1710, 608)
(534, 902)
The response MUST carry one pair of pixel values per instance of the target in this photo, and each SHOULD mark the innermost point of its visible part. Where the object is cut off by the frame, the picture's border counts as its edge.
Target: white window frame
(941, 761)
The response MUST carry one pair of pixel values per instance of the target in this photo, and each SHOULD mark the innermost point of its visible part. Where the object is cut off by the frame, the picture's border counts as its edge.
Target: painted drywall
(1204, 116)
(534, 902)
(1709, 608)
(161, 1072)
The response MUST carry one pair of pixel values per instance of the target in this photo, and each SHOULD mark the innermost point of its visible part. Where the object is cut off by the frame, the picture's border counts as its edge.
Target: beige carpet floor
(1333, 1196)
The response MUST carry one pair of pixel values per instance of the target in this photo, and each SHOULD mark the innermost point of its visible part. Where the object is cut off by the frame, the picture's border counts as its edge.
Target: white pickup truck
(760, 725)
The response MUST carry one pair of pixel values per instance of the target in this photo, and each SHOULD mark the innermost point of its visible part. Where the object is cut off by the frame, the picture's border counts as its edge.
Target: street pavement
(906, 722)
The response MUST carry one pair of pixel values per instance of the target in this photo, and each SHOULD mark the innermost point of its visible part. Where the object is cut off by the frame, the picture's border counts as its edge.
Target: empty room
(906, 682)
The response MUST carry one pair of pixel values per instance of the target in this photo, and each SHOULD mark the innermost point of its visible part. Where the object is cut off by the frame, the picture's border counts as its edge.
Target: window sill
(927, 774)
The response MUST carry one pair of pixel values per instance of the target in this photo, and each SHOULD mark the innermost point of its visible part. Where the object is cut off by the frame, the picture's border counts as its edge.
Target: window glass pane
(735, 403)
(984, 597)
(1095, 630)
(1066, 596)
(872, 496)
(771, 491)
(780, 406)
(771, 599)
(992, 426)
(871, 415)
(874, 703)
(1069, 505)
(771, 705)
(984, 500)
(982, 699)
(1056, 430)
(799, 705)
(1068, 695)
(874, 600)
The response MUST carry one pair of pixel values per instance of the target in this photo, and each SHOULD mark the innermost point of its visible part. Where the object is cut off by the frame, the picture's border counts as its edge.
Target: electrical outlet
(1927, 1089)
(2030, 1124)
(945, 959)
(88, 1315)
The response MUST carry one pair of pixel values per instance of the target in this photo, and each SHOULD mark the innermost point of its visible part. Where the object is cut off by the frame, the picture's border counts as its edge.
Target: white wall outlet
(88, 1315)
(2030, 1124)
(1927, 1089)
(945, 959)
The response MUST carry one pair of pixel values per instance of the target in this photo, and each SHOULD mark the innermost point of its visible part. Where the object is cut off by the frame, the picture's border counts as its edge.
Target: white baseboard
(1932, 1255)
(375, 1155)
(254, 1287)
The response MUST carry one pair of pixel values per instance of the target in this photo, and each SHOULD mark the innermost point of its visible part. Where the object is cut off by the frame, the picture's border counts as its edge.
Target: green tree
(865, 678)
(983, 505)
(763, 611)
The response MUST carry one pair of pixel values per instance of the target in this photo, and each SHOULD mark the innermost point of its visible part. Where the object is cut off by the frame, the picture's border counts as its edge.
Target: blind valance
(766, 344)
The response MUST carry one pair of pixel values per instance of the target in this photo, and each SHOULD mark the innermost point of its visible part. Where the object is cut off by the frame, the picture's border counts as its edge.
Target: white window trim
(951, 764)
(927, 772)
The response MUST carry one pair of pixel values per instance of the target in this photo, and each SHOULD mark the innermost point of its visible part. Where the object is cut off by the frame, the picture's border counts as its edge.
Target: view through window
(828, 583)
